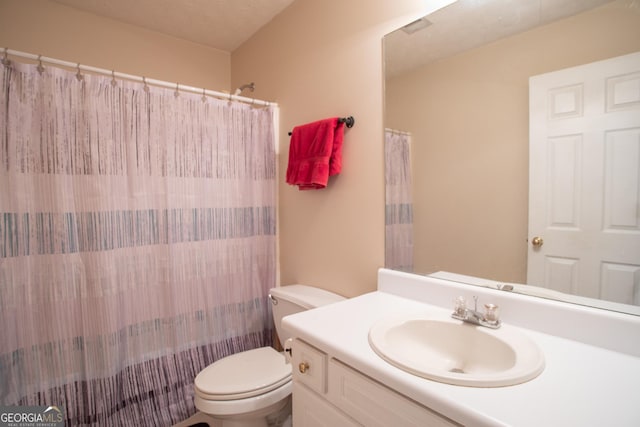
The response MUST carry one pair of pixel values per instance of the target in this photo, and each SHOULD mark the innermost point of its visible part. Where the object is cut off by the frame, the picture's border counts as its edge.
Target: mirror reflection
(458, 133)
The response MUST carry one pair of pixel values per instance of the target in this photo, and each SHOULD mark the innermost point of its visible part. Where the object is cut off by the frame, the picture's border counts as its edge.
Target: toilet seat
(243, 375)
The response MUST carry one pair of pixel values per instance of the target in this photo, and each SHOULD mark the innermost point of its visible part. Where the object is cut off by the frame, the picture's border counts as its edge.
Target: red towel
(315, 153)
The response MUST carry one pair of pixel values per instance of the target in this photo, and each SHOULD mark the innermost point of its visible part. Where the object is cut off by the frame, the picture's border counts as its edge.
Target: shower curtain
(399, 202)
(137, 242)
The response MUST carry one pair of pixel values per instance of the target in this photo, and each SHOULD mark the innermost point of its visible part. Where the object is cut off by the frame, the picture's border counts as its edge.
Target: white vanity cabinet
(327, 392)
(344, 382)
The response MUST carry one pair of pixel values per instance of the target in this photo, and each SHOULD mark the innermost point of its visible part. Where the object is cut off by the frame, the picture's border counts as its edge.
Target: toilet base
(275, 415)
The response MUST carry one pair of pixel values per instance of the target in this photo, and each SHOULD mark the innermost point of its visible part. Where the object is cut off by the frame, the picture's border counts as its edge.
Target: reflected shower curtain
(399, 202)
(137, 243)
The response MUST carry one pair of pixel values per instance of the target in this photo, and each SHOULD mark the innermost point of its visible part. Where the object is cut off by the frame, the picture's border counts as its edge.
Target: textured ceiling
(470, 23)
(226, 24)
(221, 24)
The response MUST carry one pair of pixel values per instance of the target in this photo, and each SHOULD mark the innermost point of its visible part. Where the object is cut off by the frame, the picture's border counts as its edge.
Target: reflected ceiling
(483, 22)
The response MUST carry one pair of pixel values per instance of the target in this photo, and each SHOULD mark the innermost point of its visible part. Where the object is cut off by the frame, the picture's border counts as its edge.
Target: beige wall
(469, 119)
(321, 59)
(50, 29)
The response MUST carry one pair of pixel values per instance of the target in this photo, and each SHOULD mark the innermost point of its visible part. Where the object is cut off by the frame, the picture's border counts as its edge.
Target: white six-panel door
(584, 179)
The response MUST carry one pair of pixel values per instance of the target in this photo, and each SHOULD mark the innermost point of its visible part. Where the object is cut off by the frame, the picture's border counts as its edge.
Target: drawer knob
(303, 367)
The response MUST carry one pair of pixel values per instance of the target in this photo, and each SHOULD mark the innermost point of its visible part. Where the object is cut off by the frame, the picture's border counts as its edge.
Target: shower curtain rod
(154, 82)
(399, 132)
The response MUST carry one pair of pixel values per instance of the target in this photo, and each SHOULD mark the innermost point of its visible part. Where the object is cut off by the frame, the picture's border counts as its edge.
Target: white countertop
(582, 385)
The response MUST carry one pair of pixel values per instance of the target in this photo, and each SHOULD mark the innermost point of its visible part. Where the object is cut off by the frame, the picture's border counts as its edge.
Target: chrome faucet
(490, 317)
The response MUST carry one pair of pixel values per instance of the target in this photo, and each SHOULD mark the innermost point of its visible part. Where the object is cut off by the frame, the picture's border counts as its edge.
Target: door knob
(537, 241)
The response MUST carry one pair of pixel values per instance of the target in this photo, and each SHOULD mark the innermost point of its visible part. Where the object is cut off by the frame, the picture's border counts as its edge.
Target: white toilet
(243, 389)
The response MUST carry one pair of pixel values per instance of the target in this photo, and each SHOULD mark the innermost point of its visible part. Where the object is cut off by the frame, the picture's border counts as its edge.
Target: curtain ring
(79, 75)
(40, 66)
(114, 83)
(144, 80)
(5, 59)
(176, 93)
(204, 97)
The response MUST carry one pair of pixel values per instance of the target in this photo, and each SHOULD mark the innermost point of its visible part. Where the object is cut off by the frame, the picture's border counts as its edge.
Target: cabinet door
(309, 410)
(309, 366)
(373, 404)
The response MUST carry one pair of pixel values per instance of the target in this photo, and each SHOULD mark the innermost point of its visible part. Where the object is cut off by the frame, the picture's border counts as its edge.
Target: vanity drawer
(309, 366)
(372, 404)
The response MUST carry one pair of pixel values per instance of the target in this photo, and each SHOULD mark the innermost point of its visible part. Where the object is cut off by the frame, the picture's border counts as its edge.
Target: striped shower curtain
(399, 201)
(137, 242)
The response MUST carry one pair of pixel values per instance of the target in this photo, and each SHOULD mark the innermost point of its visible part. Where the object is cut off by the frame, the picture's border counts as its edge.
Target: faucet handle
(460, 306)
(491, 313)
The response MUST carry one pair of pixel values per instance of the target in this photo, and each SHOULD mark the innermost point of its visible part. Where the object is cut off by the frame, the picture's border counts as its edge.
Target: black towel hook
(348, 121)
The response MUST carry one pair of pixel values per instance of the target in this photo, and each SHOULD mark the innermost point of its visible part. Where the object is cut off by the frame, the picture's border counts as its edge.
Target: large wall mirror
(458, 131)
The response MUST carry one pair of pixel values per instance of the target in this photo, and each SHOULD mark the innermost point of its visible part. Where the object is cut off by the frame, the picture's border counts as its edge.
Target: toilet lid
(242, 375)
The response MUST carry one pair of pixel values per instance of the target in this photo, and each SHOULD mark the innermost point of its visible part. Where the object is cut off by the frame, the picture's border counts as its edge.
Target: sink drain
(457, 371)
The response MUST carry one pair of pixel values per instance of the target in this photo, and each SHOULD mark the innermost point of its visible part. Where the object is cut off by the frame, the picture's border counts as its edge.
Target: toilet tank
(286, 300)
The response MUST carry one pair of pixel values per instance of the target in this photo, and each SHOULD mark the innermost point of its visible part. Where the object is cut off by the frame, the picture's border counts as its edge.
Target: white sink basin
(453, 352)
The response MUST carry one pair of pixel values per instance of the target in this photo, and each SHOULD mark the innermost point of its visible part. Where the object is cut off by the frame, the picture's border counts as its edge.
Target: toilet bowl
(246, 388)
